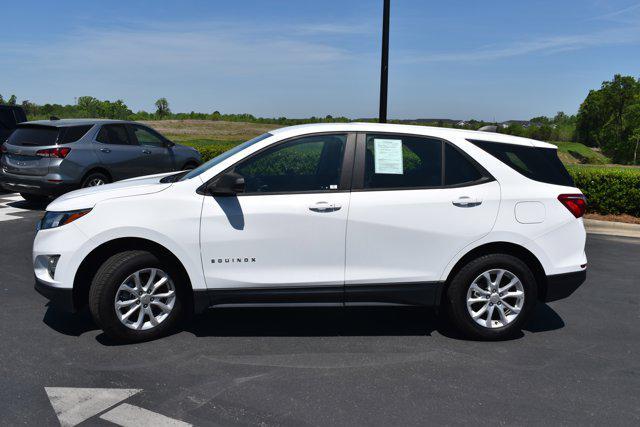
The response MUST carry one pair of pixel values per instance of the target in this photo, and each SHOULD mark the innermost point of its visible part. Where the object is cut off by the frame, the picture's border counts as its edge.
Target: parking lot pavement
(577, 361)
(13, 206)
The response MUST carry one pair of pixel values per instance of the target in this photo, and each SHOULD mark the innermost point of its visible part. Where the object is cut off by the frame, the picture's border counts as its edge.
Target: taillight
(60, 153)
(3, 149)
(576, 203)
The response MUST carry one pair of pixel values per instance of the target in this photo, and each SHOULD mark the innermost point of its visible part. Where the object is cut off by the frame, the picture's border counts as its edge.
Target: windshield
(216, 160)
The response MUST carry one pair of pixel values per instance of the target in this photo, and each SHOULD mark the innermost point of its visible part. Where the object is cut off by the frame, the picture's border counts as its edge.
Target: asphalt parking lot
(576, 363)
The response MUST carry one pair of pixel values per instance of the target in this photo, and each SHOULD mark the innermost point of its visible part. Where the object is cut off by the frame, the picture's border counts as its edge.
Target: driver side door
(288, 228)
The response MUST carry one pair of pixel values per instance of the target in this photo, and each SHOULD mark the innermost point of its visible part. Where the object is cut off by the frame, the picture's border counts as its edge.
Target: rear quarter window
(537, 163)
(73, 133)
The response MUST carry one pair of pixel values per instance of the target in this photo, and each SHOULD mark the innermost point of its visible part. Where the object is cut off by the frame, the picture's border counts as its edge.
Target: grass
(577, 153)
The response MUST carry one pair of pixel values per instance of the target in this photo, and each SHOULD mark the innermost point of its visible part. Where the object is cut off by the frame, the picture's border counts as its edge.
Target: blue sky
(455, 59)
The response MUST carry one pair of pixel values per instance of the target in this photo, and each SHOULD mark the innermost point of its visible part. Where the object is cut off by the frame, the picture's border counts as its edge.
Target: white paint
(126, 415)
(74, 405)
(530, 212)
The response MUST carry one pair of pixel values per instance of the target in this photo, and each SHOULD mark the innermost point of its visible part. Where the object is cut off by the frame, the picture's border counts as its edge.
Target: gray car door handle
(324, 207)
(105, 150)
(146, 151)
(466, 202)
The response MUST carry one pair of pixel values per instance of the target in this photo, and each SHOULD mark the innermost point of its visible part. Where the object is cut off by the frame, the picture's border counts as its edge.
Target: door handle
(105, 150)
(324, 207)
(145, 151)
(466, 202)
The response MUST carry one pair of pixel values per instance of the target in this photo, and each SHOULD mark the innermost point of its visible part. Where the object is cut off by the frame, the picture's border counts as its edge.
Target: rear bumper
(34, 185)
(61, 298)
(560, 286)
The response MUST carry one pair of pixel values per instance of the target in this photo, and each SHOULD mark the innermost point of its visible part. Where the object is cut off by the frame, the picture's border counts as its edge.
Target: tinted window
(34, 136)
(72, 133)
(398, 161)
(306, 164)
(457, 168)
(113, 134)
(147, 137)
(216, 160)
(539, 164)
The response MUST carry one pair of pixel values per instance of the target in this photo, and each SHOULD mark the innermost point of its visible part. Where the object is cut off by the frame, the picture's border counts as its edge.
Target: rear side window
(34, 136)
(537, 163)
(458, 169)
(72, 133)
(113, 134)
(400, 161)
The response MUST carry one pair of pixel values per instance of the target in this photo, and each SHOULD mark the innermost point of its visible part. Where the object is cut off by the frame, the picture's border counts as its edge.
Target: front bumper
(560, 286)
(34, 185)
(61, 298)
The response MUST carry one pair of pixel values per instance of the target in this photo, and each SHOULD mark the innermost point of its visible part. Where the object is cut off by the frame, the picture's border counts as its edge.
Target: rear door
(22, 146)
(122, 157)
(159, 157)
(416, 202)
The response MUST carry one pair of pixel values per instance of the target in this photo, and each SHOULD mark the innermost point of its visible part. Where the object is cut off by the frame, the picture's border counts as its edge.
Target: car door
(122, 157)
(288, 227)
(416, 202)
(158, 156)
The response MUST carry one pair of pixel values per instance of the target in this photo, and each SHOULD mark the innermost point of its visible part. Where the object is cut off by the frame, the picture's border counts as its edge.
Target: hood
(88, 197)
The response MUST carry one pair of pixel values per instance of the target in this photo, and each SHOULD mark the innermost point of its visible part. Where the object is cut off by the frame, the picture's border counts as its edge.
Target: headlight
(56, 219)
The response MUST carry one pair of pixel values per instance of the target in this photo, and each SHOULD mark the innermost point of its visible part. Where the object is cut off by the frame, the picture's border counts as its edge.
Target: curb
(611, 228)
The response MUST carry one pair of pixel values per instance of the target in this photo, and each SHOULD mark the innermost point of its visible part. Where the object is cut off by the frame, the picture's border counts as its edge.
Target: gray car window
(113, 134)
(146, 137)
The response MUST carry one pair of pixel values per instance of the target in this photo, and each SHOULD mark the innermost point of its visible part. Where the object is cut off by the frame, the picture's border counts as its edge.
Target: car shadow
(71, 324)
(31, 206)
(308, 322)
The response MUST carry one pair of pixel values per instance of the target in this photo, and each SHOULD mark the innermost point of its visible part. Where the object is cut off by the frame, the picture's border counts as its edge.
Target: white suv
(483, 224)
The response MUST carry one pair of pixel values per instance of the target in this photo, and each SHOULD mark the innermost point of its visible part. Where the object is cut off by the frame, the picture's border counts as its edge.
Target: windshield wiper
(173, 178)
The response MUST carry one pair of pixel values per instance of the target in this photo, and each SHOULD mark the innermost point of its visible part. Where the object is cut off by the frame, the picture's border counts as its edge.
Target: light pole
(384, 66)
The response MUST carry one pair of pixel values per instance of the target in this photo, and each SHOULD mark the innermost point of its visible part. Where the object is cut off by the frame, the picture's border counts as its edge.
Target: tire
(35, 198)
(95, 179)
(504, 323)
(114, 275)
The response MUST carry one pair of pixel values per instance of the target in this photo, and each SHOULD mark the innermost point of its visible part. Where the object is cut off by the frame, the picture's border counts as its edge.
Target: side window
(399, 161)
(113, 134)
(457, 168)
(72, 133)
(146, 137)
(312, 163)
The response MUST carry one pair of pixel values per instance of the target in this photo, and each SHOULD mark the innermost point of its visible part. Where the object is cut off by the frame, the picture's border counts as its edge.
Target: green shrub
(609, 190)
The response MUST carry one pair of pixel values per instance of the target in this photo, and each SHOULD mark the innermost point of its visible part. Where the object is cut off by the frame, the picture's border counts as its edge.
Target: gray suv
(46, 158)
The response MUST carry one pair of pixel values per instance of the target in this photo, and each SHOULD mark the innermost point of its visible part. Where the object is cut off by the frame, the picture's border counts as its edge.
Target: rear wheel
(95, 179)
(136, 297)
(492, 297)
(35, 198)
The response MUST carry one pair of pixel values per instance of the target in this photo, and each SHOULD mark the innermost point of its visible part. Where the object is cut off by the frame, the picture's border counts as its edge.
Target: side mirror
(169, 144)
(228, 184)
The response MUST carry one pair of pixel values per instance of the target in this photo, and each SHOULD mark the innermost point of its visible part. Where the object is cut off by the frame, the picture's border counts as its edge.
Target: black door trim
(426, 294)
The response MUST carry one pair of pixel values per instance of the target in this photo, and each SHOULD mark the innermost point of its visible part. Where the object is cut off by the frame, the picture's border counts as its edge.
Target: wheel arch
(90, 264)
(507, 248)
(96, 169)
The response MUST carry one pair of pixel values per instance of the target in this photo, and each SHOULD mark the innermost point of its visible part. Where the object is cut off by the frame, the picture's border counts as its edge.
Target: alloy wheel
(495, 298)
(145, 299)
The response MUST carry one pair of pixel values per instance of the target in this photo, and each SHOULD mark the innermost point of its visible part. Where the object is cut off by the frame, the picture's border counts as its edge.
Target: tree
(1, 100)
(12, 100)
(162, 107)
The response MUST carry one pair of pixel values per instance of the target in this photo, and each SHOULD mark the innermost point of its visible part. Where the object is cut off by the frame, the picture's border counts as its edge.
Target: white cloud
(543, 45)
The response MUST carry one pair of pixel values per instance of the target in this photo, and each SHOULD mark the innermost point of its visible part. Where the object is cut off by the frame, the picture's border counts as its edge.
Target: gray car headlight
(57, 219)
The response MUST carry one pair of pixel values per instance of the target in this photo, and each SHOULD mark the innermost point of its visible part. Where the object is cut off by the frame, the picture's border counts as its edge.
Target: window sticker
(388, 156)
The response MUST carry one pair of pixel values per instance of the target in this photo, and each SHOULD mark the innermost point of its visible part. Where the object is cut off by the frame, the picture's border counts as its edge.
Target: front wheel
(492, 297)
(135, 297)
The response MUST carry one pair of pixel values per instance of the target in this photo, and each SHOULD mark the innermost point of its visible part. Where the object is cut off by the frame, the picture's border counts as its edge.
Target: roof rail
(489, 128)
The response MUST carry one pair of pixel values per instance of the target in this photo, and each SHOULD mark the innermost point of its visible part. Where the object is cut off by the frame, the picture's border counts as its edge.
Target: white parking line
(9, 211)
(74, 405)
(127, 415)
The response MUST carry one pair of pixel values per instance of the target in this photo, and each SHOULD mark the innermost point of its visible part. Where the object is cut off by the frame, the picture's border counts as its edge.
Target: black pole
(384, 68)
